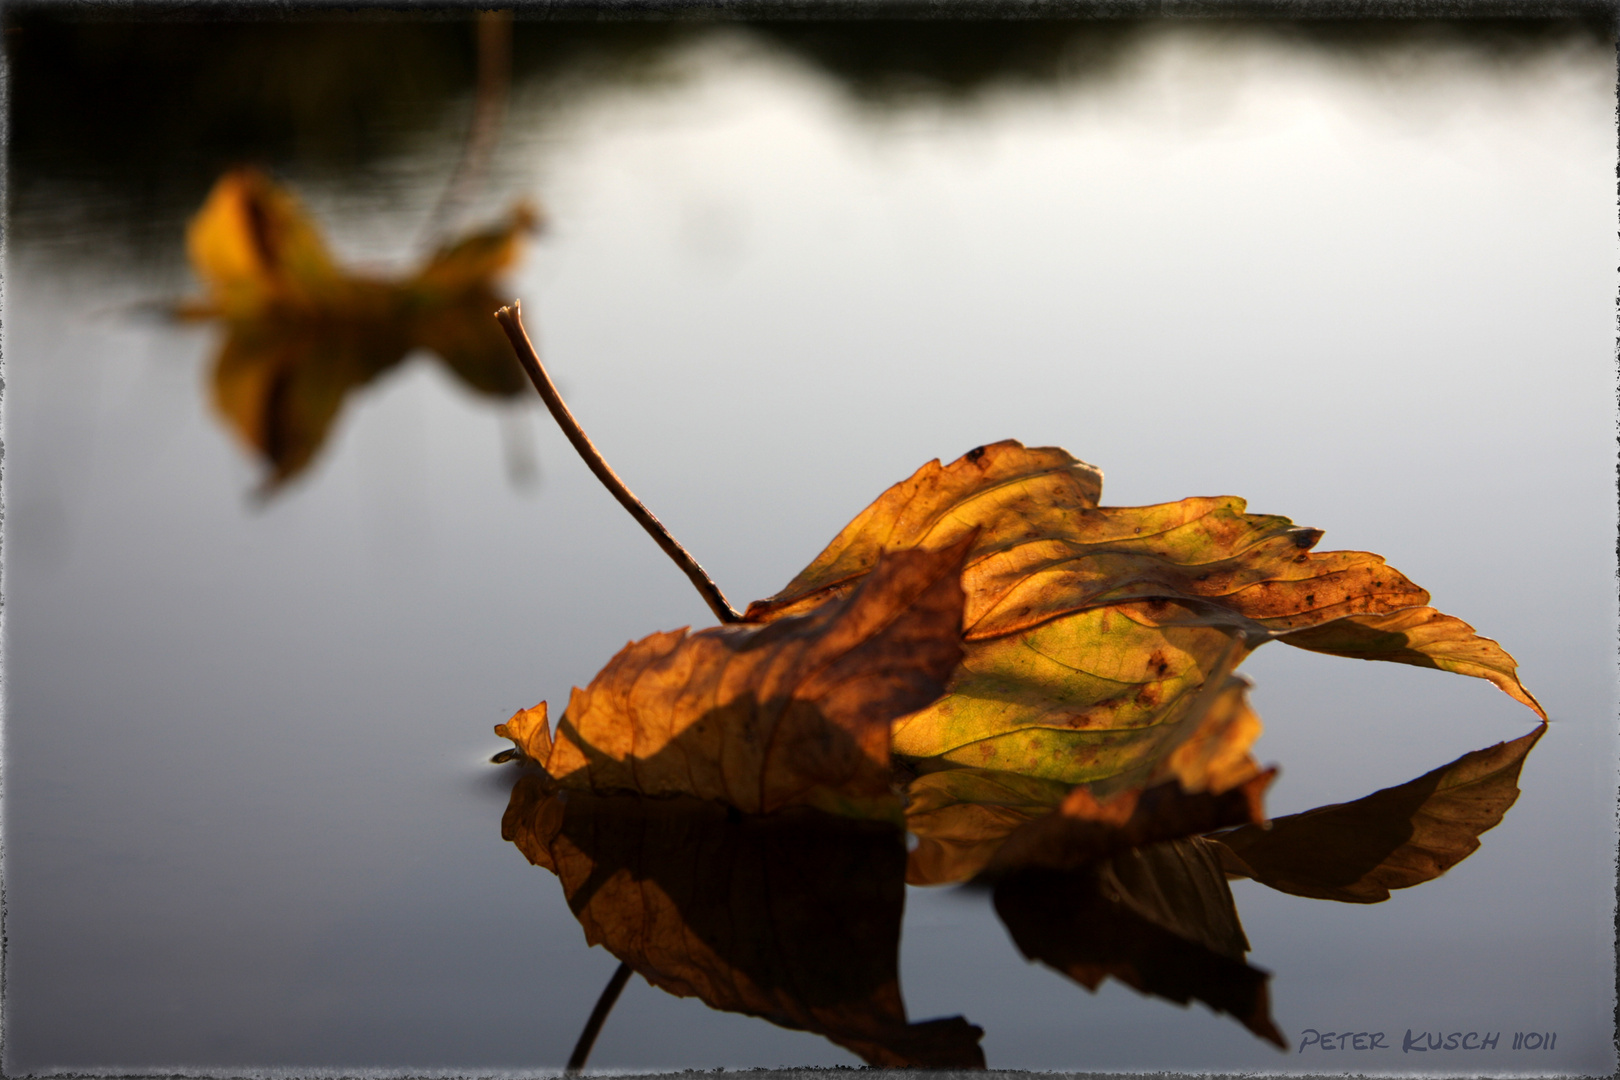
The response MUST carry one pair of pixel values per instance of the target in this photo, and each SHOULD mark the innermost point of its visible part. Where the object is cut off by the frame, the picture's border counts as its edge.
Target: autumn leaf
(1392, 839)
(1005, 491)
(303, 333)
(1159, 919)
(1089, 629)
(469, 263)
(1050, 685)
(1038, 558)
(762, 717)
(793, 916)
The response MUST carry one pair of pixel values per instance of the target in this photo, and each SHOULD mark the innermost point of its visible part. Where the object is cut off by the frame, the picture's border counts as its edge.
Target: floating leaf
(762, 717)
(1006, 491)
(302, 333)
(1392, 839)
(1159, 919)
(1090, 629)
(1055, 682)
(793, 917)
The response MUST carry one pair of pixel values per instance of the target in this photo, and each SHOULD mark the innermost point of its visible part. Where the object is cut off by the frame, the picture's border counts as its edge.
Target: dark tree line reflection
(151, 107)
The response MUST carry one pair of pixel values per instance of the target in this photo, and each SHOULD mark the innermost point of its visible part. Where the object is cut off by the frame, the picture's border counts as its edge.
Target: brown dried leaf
(1392, 839)
(1421, 636)
(1005, 491)
(1090, 628)
(793, 917)
(761, 717)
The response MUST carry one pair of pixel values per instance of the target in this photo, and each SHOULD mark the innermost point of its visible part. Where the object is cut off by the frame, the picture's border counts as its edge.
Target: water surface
(249, 816)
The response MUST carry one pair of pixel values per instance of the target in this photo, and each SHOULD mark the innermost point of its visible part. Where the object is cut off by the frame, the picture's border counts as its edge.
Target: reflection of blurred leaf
(462, 332)
(1159, 919)
(793, 917)
(1392, 839)
(796, 712)
(1089, 628)
(281, 382)
(302, 333)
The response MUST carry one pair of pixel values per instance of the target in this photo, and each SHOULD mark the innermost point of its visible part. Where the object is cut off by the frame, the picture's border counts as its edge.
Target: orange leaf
(762, 717)
(1088, 628)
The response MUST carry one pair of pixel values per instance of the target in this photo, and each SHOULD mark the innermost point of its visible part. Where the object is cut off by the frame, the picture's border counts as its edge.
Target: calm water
(249, 819)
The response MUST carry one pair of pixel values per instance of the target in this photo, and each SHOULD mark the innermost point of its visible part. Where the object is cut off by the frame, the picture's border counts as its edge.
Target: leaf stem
(511, 320)
(604, 1005)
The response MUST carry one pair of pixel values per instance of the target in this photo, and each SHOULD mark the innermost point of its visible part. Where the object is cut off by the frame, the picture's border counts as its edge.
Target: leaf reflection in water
(795, 916)
(1160, 919)
(792, 916)
(1392, 839)
(303, 332)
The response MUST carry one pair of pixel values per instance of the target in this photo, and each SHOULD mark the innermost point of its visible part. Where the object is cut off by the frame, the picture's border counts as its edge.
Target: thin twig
(604, 1005)
(511, 320)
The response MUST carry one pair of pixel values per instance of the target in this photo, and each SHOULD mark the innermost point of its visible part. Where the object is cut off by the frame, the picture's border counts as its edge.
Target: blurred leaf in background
(303, 332)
